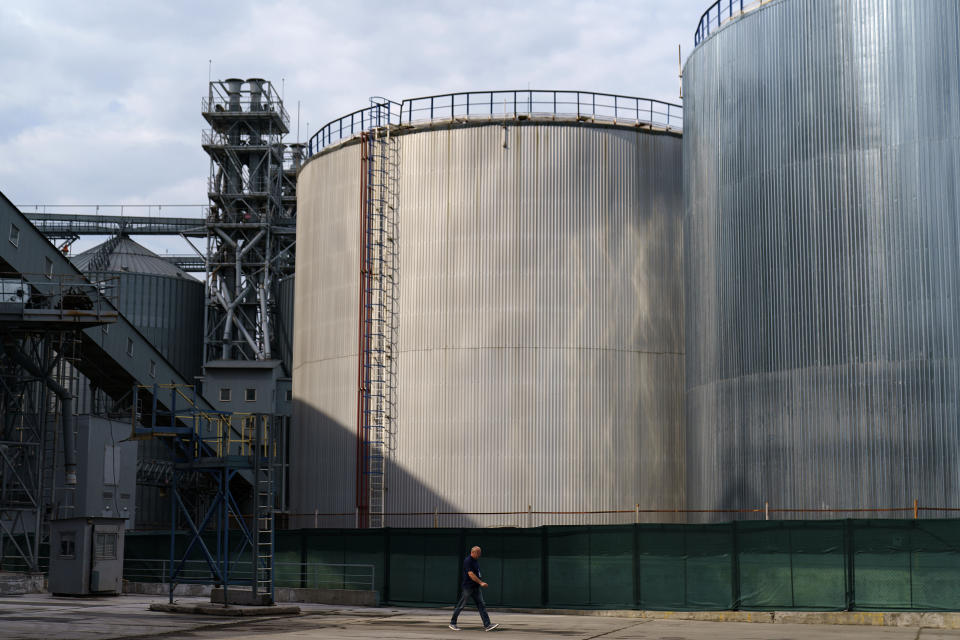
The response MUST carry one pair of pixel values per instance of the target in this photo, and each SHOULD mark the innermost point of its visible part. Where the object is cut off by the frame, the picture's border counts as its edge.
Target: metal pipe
(239, 326)
(360, 477)
(66, 411)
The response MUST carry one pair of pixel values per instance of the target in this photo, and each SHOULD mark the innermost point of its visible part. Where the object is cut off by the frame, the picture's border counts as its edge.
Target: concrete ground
(32, 617)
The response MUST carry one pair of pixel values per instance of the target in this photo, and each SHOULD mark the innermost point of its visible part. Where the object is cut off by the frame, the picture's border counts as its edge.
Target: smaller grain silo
(163, 302)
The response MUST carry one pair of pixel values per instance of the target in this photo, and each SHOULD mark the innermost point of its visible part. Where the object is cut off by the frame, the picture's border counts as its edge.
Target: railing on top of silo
(723, 11)
(495, 105)
(380, 113)
(501, 105)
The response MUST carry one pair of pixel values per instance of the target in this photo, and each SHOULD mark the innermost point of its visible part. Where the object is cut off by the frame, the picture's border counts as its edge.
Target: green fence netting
(685, 567)
(906, 564)
(752, 565)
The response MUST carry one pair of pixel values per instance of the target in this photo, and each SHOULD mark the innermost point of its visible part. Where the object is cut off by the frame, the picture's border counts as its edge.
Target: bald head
(475, 552)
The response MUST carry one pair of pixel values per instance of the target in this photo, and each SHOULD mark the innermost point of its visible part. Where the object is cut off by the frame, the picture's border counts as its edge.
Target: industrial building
(821, 156)
(517, 330)
(514, 309)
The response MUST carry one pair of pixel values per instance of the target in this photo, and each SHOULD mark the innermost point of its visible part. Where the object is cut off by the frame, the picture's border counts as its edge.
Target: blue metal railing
(718, 13)
(499, 105)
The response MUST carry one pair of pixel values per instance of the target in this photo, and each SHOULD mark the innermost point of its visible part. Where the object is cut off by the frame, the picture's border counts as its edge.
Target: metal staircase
(376, 396)
(214, 448)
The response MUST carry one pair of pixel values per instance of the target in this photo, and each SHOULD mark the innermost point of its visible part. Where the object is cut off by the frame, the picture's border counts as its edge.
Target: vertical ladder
(263, 463)
(379, 292)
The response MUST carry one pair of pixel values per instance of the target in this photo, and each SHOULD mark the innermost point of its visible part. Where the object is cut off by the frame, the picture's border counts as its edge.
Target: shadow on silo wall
(323, 455)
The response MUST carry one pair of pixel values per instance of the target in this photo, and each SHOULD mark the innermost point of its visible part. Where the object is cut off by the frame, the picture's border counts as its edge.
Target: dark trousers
(472, 591)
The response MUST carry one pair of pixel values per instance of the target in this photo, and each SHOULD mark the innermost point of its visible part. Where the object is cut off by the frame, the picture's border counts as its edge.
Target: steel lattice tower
(250, 227)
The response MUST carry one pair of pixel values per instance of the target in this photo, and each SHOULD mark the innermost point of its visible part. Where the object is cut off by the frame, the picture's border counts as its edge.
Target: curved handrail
(502, 105)
(380, 113)
(719, 12)
(511, 103)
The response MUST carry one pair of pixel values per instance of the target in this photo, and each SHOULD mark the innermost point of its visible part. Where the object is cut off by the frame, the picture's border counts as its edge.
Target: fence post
(636, 566)
(303, 561)
(734, 566)
(544, 567)
(386, 564)
(636, 513)
(915, 508)
(766, 510)
(848, 550)
(436, 517)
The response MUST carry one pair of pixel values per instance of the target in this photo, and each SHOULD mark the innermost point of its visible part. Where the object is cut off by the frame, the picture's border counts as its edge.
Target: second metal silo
(539, 362)
(821, 158)
(162, 301)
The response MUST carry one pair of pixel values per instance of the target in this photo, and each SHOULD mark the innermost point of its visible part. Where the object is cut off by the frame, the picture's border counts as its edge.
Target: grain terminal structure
(516, 332)
(166, 305)
(821, 155)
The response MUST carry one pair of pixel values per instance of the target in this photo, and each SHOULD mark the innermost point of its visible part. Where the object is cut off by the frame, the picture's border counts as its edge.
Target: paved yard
(46, 617)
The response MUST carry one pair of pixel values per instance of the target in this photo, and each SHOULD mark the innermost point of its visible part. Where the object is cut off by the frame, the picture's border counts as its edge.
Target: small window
(224, 394)
(289, 395)
(153, 369)
(14, 235)
(68, 544)
(130, 347)
(106, 546)
(250, 395)
(48, 268)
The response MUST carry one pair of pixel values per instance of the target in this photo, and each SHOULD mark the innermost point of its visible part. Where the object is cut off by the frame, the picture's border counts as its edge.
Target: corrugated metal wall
(285, 317)
(167, 310)
(322, 441)
(540, 330)
(821, 162)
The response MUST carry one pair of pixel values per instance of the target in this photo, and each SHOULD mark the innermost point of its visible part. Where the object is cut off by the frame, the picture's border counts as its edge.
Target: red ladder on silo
(376, 395)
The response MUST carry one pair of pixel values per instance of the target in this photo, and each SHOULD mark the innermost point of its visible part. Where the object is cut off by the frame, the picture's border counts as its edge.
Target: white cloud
(101, 102)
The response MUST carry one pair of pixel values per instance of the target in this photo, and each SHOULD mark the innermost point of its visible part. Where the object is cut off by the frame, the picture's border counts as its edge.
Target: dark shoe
(491, 627)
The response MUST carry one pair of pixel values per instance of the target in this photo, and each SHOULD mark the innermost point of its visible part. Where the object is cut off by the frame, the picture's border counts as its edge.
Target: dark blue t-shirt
(470, 564)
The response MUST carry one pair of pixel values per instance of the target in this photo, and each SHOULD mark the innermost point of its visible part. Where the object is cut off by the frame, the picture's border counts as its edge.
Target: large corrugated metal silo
(821, 161)
(539, 340)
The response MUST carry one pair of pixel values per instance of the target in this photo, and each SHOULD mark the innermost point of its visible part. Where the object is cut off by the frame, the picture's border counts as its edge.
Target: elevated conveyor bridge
(68, 225)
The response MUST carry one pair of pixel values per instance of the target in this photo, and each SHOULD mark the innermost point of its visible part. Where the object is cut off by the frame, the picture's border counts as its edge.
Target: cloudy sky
(100, 101)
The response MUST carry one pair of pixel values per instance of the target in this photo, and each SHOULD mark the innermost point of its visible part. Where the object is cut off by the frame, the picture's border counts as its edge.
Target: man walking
(471, 585)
